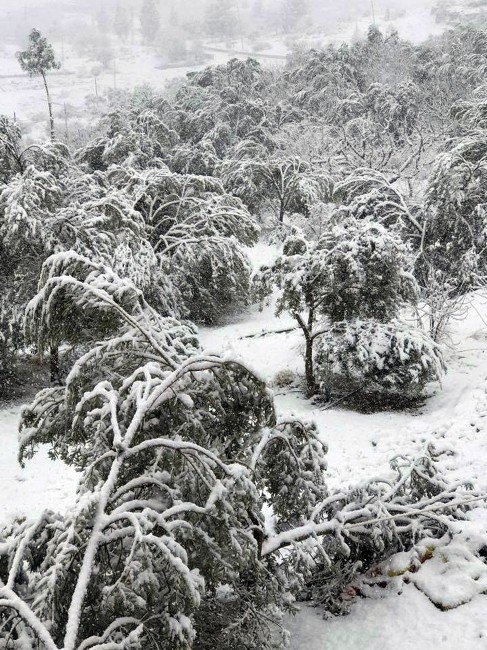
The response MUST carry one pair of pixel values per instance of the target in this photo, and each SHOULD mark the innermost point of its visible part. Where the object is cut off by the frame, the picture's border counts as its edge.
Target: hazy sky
(17, 16)
(9, 5)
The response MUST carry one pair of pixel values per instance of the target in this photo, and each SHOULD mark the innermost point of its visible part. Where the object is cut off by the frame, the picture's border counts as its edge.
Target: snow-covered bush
(375, 357)
(284, 378)
(353, 568)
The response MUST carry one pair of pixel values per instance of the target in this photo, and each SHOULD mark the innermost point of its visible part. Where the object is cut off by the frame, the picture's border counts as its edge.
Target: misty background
(179, 20)
(73, 17)
(121, 44)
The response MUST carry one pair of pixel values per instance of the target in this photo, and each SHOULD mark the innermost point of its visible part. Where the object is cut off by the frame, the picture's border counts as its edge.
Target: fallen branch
(257, 335)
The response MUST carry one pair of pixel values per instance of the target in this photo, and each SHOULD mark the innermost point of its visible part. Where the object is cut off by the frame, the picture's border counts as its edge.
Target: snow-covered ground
(79, 78)
(361, 446)
(408, 621)
(42, 484)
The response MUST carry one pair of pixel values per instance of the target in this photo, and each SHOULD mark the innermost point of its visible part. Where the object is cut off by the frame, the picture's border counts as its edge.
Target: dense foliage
(200, 515)
(168, 545)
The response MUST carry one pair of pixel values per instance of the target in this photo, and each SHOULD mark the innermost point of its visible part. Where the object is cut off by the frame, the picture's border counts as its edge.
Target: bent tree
(37, 60)
(179, 453)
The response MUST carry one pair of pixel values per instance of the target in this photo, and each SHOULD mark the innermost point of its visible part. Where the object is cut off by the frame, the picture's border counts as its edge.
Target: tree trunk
(54, 365)
(308, 355)
(282, 211)
(309, 368)
(282, 207)
(49, 106)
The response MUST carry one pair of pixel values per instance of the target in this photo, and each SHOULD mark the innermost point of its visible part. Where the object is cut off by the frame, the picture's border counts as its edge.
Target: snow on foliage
(365, 272)
(358, 270)
(288, 184)
(456, 198)
(26, 203)
(134, 138)
(369, 194)
(200, 514)
(378, 357)
(179, 452)
(197, 231)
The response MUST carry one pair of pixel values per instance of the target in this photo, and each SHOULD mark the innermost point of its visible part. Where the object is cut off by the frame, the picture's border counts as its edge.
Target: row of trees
(222, 20)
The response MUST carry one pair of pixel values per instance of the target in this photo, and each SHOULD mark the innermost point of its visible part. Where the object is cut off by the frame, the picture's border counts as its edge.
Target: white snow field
(360, 447)
(42, 484)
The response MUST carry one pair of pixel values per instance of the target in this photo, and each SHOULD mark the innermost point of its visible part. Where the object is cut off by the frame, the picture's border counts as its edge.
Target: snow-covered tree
(179, 453)
(359, 567)
(236, 173)
(225, 104)
(368, 272)
(43, 212)
(121, 22)
(7, 342)
(221, 19)
(369, 194)
(289, 184)
(38, 60)
(33, 190)
(27, 207)
(134, 137)
(367, 347)
(456, 201)
(212, 275)
(176, 499)
(358, 270)
(185, 213)
(49, 156)
(453, 259)
(200, 158)
(26, 204)
(10, 149)
(295, 15)
(197, 232)
(109, 230)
